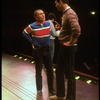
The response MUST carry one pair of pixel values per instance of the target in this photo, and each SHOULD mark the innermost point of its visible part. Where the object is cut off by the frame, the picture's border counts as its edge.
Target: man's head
(51, 16)
(60, 4)
(39, 15)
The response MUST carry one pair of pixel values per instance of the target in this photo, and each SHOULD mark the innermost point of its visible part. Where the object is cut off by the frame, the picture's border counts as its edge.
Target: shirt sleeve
(57, 33)
(26, 34)
(53, 30)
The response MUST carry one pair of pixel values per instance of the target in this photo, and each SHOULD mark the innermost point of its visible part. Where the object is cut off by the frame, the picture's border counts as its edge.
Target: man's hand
(33, 46)
(57, 26)
(67, 44)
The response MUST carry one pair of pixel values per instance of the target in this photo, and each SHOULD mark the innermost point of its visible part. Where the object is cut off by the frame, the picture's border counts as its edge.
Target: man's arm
(75, 28)
(53, 31)
(27, 36)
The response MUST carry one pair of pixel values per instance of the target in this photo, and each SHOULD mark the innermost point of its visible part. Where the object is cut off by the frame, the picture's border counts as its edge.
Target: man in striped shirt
(38, 34)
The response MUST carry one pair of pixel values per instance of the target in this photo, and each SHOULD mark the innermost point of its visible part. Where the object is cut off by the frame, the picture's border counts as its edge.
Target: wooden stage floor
(18, 82)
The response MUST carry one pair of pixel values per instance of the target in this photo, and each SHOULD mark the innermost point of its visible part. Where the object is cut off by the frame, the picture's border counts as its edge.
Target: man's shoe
(39, 92)
(56, 98)
(51, 93)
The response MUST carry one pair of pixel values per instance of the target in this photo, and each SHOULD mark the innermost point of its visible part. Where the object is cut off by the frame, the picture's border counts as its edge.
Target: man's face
(58, 5)
(40, 16)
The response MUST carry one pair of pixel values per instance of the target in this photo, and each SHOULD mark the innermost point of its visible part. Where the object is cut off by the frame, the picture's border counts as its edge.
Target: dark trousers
(52, 48)
(65, 69)
(42, 56)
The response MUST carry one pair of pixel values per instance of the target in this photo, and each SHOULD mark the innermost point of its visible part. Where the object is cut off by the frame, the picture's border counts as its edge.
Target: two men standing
(38, 33)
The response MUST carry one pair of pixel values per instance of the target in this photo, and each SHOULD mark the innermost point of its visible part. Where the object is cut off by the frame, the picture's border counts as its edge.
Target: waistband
(75, 44)
(37, 47)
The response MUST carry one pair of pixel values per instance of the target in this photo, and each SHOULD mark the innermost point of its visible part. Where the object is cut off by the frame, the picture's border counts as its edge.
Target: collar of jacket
(66, 9)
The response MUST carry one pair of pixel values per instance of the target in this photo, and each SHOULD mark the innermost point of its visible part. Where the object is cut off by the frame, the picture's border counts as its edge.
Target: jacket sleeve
(75, 27)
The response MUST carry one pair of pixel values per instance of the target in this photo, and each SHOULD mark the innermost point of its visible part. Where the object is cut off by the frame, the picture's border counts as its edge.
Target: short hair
(51, 16)
(64, 1)
(35, 12)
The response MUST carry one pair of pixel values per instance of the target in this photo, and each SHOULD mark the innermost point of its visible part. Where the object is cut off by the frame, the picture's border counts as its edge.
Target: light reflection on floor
(18, 82)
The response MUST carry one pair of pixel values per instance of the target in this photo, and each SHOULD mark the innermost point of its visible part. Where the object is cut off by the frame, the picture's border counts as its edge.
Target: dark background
(17, 14)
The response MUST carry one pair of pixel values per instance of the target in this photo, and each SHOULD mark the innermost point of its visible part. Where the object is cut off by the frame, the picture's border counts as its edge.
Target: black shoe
(51, 93)
(39, 92)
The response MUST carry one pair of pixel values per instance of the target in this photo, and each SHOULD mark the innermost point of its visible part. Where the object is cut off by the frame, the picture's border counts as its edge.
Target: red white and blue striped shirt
(38, 34)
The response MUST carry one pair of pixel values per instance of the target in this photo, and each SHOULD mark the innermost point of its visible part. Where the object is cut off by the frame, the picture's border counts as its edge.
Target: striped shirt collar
(40, 23)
